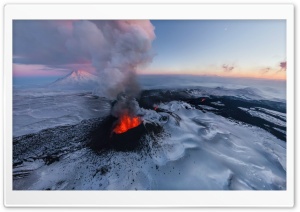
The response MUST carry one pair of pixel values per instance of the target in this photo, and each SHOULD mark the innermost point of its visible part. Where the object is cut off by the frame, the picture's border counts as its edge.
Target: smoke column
(116, 49)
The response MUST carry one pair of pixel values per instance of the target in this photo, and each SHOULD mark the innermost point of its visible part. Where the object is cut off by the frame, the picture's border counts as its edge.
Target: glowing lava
(126, 122)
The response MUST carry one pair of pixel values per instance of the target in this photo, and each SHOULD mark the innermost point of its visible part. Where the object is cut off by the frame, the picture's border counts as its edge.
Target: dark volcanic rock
(128, 140)
(52, 143)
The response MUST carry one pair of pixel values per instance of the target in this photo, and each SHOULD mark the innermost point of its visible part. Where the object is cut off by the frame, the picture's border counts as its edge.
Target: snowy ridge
(218, 86)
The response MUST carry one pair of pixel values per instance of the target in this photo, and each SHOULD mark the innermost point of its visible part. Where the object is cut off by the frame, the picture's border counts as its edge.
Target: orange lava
(126, 122)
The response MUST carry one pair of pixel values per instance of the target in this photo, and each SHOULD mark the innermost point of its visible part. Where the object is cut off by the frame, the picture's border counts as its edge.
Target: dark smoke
(125, 105)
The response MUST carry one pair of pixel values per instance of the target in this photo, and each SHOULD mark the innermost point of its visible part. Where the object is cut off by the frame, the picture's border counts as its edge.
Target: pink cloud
(283, 65)
(23, 70)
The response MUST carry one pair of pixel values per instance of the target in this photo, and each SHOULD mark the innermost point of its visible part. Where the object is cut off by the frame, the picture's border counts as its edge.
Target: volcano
(108, 135)
(128, 140)
(78, 79)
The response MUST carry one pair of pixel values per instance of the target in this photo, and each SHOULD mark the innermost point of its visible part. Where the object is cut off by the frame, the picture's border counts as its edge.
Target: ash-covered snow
(218, 103)
(204, 152)
(274, 113)
(280, 130)
(269, 118)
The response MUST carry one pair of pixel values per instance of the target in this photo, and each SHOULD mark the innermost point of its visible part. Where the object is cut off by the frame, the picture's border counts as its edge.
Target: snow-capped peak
(80, 74)
(77, 79)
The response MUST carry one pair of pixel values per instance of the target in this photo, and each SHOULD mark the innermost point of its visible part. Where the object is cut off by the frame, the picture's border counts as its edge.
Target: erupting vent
(126, 122)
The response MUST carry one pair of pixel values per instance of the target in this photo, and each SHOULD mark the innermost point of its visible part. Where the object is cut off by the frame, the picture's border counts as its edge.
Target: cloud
(265, 70)
(23, 70)
(282, 66)
(43, 42)
(227, 68)
(276, 69)
(49, 42)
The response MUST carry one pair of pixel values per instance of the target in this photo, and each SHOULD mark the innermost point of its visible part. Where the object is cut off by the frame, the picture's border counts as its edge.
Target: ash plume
(116, 49)
(125, 105)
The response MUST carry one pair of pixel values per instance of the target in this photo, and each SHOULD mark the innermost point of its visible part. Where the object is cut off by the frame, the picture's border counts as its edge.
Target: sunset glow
(252, 49)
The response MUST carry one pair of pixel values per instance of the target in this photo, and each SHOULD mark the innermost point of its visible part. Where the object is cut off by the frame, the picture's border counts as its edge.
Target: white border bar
(147, 11)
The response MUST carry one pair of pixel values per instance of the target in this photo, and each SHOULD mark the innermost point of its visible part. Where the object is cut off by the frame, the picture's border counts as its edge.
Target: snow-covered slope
(203, 151)
(46, 110)
(76, 80)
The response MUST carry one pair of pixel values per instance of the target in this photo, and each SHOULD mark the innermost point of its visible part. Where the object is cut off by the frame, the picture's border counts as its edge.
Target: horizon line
(164, 74)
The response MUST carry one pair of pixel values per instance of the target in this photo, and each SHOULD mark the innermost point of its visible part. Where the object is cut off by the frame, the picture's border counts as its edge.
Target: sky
(229, 48)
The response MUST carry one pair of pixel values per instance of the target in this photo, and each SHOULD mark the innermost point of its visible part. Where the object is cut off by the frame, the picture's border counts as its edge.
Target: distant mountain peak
(79, 73)
(77, 80)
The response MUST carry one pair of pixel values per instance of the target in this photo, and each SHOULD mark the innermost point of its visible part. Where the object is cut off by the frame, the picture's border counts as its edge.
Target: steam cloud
(227, 68)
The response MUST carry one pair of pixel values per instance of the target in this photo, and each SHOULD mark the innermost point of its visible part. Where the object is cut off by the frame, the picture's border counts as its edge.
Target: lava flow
(126, 122)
